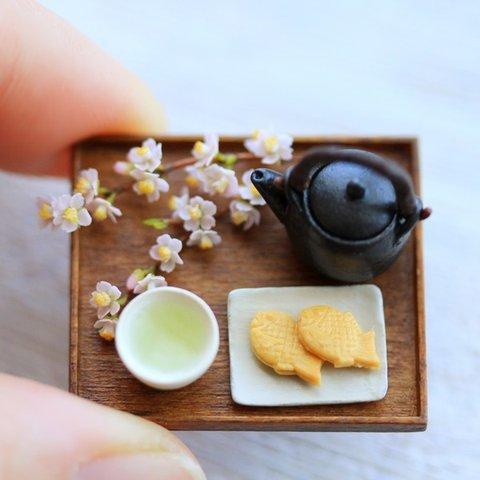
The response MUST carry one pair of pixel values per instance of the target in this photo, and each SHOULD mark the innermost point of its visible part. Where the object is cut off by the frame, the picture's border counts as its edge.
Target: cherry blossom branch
(212, 170)
(232, 158)
(228, 158)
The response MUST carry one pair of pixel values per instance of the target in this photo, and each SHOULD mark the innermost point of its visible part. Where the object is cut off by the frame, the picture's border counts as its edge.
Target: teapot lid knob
(355, 190)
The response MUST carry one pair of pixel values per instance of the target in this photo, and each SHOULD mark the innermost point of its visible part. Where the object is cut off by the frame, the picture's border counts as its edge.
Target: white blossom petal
(153, 197)
(209, 208)
(114, 292)
(164, 239)
(103, 311)
(115, 307)
(84, 218)
(63, 202)
(176, 258)
(175, 245)
(153, 252)
(122, 168)
(270, 159)
(163, 185)
(207, 223)
(168, 266)
(190, 225)
(103, 286)
(69, 227)
(77, 201)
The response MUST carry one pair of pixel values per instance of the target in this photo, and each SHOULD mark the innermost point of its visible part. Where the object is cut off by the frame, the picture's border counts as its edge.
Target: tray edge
(339, 424)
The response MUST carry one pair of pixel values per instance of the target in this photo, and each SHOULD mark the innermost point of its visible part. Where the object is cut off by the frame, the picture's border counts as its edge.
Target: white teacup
(167, 337)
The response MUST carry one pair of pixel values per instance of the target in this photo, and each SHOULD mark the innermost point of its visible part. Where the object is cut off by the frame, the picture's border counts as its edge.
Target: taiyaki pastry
(275, 342)
(336, 337)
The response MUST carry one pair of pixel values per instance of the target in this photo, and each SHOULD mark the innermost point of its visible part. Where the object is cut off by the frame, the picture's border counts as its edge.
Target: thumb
(57, 87)
(51, 435)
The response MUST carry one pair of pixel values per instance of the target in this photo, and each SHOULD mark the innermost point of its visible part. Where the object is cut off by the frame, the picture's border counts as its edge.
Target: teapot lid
(351, 201)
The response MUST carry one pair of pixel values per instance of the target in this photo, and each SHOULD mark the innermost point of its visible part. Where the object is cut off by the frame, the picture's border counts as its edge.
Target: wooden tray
(257, 258)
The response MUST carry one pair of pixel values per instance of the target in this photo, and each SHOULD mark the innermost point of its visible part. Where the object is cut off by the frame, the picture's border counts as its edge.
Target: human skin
(56, 88)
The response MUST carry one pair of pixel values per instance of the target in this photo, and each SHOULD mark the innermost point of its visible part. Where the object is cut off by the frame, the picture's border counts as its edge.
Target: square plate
(261, 257)
(253, 383)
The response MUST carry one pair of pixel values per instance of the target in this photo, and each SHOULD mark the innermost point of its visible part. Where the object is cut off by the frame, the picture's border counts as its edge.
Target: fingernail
(147, 466)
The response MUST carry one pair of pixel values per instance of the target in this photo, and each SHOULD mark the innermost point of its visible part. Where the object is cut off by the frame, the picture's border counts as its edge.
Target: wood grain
(260, 257)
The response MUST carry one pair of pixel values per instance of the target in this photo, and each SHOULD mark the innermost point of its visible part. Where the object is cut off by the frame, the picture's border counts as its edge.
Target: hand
(47, 434)
(56, 88)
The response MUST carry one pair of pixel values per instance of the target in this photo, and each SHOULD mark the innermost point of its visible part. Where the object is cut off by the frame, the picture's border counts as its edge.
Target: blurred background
(304, 67)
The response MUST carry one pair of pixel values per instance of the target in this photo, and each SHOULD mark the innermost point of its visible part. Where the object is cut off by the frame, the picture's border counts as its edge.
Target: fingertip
(145, 115)
(45, 430)
(147, 466)
(57, 88)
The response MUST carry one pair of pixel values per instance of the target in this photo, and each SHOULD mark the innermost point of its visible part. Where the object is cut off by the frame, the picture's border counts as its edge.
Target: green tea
(166, 336)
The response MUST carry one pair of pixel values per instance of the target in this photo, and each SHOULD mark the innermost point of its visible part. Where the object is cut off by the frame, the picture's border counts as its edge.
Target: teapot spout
(271, 186)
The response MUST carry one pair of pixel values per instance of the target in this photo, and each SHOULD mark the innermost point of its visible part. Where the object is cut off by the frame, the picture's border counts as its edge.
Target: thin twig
(185, 162)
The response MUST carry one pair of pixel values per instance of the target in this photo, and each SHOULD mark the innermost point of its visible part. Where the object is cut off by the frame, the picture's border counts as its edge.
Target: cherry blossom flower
(198, 213)
(123, 168)
(204, 239)
(106, 328)
(104, 299)
(248, 191)
(219, 180)
(177, 202)
(204, 152)
(69, 212)
(271, 148)
(148, 282)
(195, 177)
(87, 184)
(148, 157)
(149, 184)
(102, 209)
(242, 213)
(133, 279)
(166, 251)
(45, 210)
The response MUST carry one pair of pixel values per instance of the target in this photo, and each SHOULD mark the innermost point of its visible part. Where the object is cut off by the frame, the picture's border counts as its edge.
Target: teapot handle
(408, 204)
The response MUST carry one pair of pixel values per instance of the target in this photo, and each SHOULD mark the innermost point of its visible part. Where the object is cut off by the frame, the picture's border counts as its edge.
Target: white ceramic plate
(253, 383)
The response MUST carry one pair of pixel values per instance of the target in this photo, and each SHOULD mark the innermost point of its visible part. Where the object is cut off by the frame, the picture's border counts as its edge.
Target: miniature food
(275, 342)
(336, 337)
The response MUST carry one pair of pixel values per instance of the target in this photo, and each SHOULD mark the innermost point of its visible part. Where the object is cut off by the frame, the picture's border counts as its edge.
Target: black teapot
(348, 212)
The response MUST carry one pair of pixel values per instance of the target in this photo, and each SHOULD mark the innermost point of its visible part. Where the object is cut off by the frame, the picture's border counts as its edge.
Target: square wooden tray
(257, 258)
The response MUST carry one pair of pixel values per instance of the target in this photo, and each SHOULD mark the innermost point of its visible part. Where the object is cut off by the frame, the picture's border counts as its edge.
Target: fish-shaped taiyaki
(335, 336)
(275, 342)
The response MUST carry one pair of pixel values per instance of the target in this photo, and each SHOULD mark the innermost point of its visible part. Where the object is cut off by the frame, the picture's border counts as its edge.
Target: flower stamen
(70, 214)
(239, 217)
(199, 147)
(82, 186)
(271, 144)
(205, 243)
(45, 212)
(220, 185)
(164, 253)
(195, 212)
(191, 181)
(100, 213)
(101, 299)
(142, 151)
(106, 334)
(146, 187)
